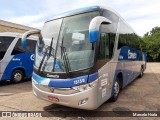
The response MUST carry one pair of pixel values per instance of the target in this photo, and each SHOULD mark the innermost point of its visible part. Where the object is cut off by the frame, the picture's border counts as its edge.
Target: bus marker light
(52, 98)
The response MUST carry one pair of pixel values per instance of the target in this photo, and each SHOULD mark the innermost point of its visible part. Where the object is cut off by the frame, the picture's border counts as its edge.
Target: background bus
(15, 61)
(85, 57)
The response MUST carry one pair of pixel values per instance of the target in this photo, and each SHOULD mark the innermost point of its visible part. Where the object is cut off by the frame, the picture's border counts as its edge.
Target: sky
(141, 15)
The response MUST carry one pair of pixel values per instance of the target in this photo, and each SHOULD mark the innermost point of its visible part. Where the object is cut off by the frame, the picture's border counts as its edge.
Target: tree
(153, 31)
(152, 44)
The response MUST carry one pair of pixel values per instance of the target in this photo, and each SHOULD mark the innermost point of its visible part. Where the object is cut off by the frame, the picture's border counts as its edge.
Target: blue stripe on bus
(39, 79)
(65, 83)
(145, 56)
(130, 54)
(92, 77)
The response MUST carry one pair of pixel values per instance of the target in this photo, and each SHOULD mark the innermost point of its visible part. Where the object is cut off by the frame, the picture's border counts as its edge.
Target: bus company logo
(53, 76)
(131, 55)
(32, 57)
(16, 59)
(51, 89)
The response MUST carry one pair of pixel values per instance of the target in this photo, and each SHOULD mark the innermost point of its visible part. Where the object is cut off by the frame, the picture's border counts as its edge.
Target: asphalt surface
(143, 94)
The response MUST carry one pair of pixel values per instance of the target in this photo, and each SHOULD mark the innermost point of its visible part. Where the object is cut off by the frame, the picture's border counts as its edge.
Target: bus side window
(112, 37)
(4, 45)
(18, 48)
(122, 41)
(31, 45)
(103, 47)
(103, 52)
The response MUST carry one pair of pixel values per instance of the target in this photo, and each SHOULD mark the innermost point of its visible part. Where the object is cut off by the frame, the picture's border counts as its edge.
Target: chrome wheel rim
(17, 76)
(116, 88)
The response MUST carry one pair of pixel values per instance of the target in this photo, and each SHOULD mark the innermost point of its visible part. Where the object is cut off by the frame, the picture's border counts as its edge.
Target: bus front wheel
(17, 76)
(116, 88)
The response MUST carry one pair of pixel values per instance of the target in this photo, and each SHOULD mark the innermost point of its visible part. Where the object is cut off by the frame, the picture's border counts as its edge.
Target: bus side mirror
(95, 26)
(27, 34)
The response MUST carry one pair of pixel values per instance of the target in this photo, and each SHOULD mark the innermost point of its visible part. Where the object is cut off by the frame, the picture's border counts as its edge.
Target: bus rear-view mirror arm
(95, 26)
(27, 34)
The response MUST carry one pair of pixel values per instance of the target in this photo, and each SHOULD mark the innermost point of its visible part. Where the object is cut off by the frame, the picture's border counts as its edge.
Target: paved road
(141, 95)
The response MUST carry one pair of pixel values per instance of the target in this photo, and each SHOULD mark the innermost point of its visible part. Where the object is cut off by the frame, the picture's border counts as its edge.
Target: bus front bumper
(83, 100)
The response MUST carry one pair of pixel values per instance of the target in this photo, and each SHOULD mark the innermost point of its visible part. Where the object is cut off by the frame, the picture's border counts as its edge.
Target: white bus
(85, 57)
(16, 62)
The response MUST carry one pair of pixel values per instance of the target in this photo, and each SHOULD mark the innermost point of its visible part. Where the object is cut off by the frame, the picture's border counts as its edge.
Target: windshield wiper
(45, 54)
(65, 58)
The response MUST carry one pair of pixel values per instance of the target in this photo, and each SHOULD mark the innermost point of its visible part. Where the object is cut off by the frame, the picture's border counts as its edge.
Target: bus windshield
(64, 44)
(4, 44)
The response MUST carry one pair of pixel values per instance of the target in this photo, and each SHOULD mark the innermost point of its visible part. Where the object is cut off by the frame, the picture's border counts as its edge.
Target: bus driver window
(103, 54)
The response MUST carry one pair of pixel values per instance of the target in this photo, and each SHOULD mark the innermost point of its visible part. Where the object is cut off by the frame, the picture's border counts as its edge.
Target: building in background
(12, 27)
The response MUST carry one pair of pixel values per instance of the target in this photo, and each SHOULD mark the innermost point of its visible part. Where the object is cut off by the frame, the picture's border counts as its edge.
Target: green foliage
(153, 31)
(152, 44)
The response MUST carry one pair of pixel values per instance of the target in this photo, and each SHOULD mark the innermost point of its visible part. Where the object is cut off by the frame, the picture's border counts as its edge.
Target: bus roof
(87, 9)
(15, 34)
(76, 11)
(82, 10)
(12, 34)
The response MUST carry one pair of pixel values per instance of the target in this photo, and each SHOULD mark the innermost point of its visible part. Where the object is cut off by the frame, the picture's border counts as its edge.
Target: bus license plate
(52, 98)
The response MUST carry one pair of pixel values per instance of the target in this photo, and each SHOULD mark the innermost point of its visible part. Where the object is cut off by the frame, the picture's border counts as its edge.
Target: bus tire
(141, 73)
(116, 88)
(17, 76)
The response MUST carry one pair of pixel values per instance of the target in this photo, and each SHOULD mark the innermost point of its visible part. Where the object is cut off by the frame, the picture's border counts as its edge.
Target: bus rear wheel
(116, 88)
(141, 73)
(17, 76)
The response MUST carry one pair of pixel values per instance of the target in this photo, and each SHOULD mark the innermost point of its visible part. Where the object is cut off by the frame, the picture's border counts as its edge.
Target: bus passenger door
(104, 91)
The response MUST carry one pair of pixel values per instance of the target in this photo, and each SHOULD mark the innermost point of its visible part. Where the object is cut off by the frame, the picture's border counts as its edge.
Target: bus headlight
(85, 86)
(83, 101)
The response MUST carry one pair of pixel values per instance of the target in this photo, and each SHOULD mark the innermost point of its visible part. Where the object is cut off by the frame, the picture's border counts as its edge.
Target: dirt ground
(143, 94)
